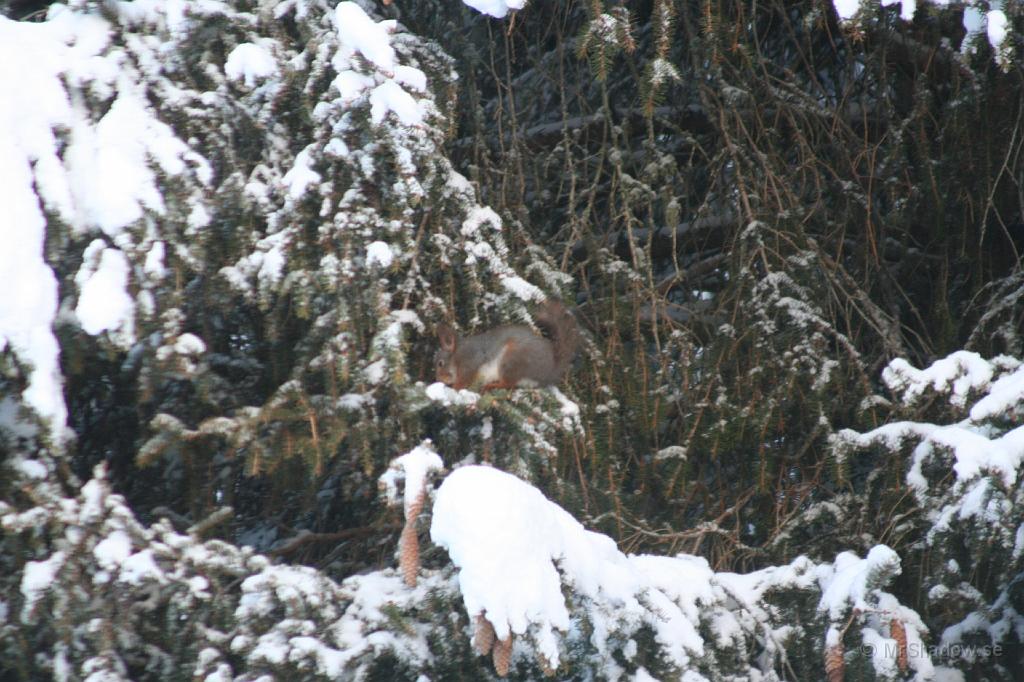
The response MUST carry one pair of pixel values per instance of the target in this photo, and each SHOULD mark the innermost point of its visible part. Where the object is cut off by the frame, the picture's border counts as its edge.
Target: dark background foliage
(753, 238)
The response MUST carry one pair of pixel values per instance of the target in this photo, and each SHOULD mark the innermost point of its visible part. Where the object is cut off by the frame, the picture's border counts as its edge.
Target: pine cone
(835, 666)
(483, 638)
(409, 553)
(502, 655)
(898, 631)
(409, 544)
(412, 511)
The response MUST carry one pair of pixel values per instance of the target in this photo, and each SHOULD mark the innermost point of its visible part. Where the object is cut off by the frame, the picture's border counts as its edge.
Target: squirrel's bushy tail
(559, 326)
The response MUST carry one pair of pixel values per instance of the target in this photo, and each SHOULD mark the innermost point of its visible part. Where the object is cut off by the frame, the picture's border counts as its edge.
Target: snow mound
(519, 555)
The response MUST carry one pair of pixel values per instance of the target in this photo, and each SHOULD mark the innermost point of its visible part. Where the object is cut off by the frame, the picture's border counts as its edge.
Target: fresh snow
(154, 266)
(380, 254)
(37, 577)
(113, 550)
(852, 579)
(189, 344)
(477, 217)
(983, 448)
(170, 14)
(376, 371)
(350, 85)
(518, 554)
(846, 8)
(958, 374)
(1004, 398)
(508, 541)
(907, 7)
(359, 33)
(496, 8)
(302, 175)
(995, 387)
(94, 174)
(103, 302)
(141, 566)
(32, 57)
(109, 162)
(446, 395)
(250, 63)
(522, 289)
(996, 28)
(978, 16)
(371, 40)
(414, 467)
(389, 96)
(31, 468)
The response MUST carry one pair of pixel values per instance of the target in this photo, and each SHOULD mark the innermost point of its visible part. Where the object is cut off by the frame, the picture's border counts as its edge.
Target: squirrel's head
(444, 367)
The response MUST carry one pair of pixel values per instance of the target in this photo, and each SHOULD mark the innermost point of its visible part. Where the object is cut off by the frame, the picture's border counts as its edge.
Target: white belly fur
(490, 371)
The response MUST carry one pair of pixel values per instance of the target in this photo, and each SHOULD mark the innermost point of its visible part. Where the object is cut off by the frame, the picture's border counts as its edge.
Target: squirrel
(509, 356)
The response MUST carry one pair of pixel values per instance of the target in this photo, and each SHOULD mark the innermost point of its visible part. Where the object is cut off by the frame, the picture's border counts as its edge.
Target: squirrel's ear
(446, 337)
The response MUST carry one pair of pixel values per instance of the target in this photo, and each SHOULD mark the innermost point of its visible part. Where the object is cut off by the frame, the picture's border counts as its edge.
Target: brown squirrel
(509, 356)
